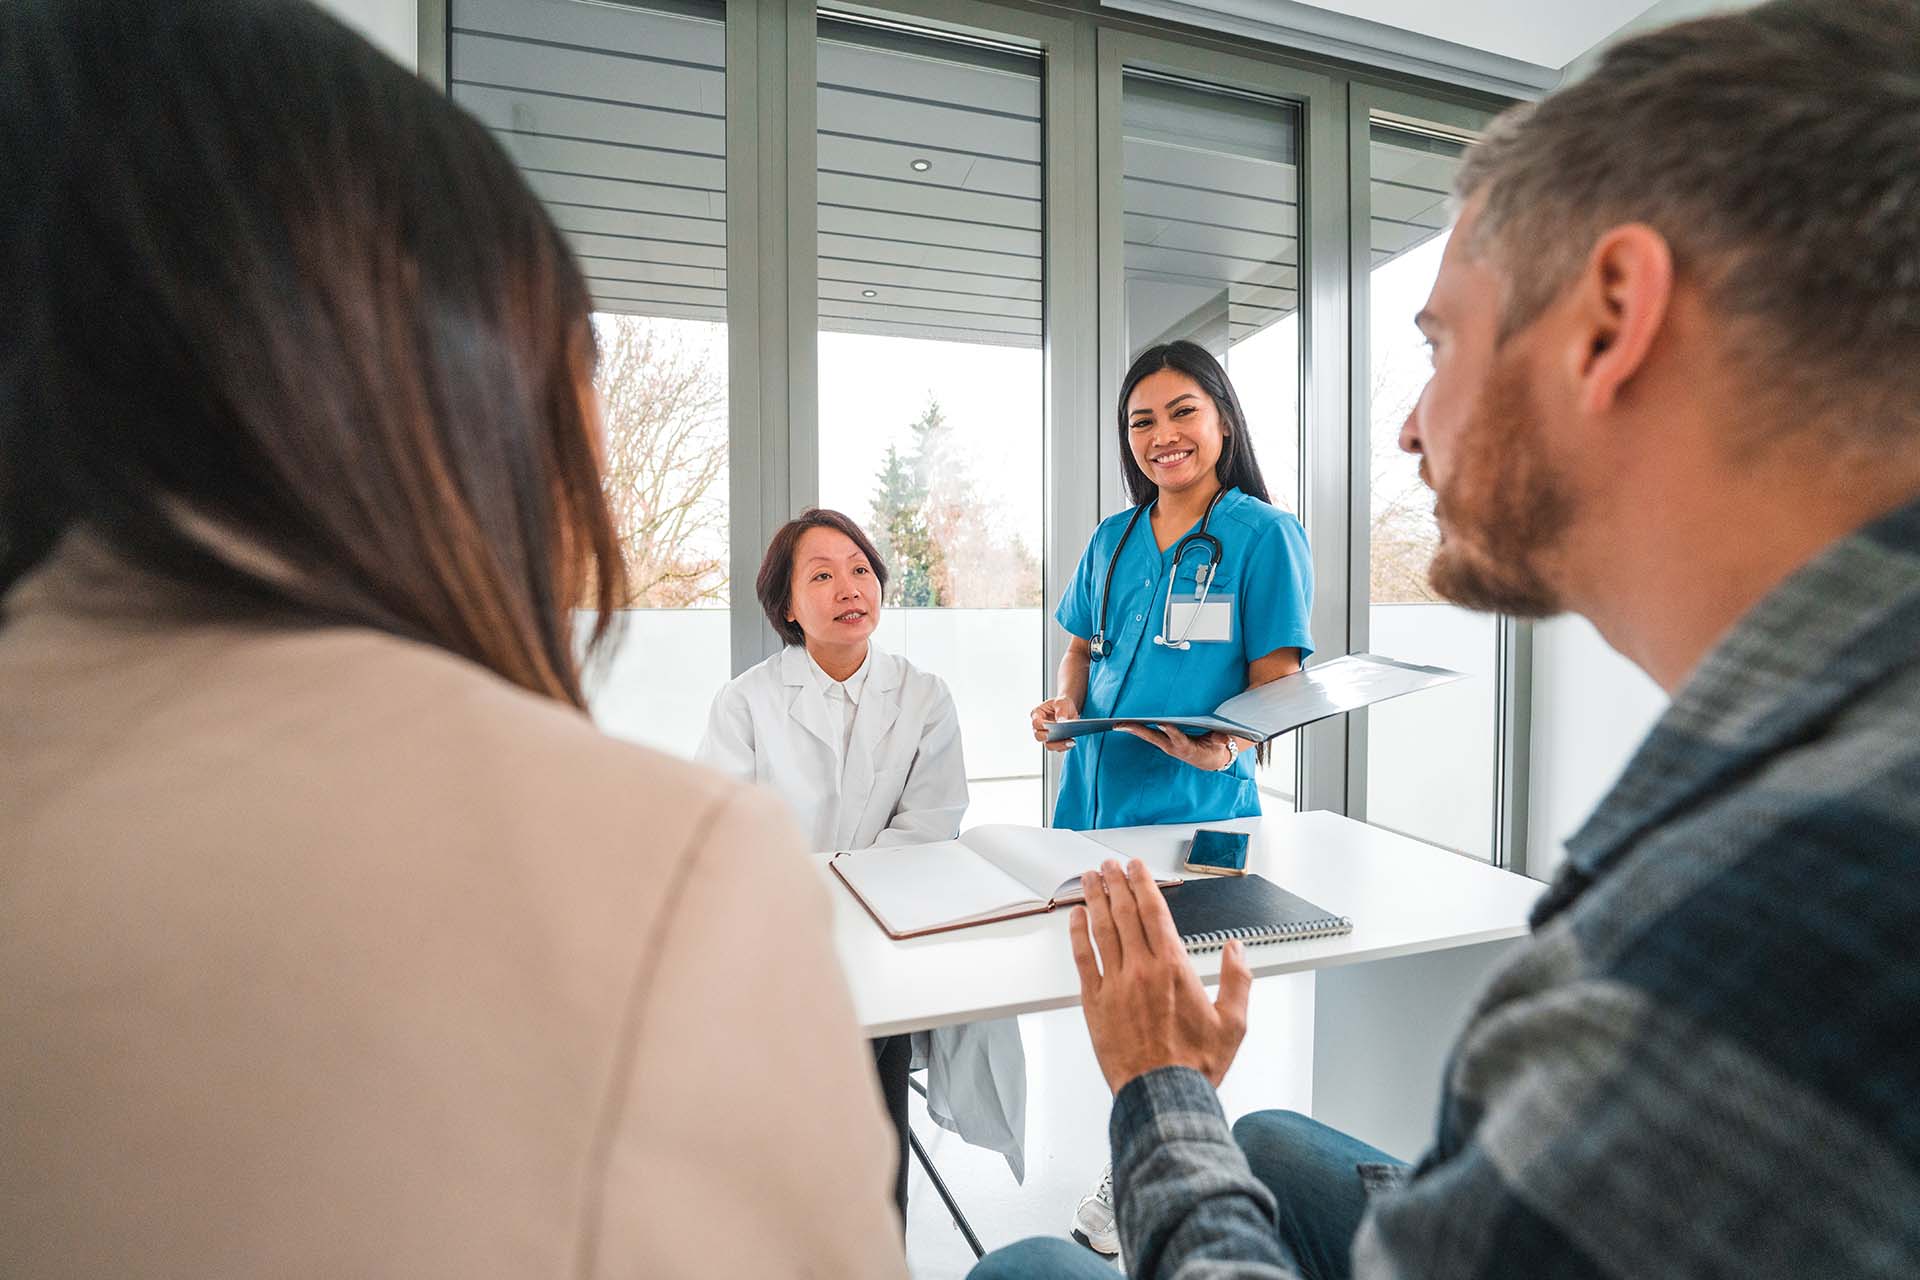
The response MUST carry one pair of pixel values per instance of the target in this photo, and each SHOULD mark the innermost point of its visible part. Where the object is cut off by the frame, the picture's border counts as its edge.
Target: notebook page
(1044, 859)
(929, 885)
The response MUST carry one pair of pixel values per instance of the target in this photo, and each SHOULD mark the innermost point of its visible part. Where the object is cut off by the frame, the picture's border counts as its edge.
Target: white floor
(1067, 1107)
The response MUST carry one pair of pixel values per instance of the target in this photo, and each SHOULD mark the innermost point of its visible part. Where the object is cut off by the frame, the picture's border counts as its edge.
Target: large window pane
(1212, 192)
(617, 116)
(1432, 759)
(930, 367)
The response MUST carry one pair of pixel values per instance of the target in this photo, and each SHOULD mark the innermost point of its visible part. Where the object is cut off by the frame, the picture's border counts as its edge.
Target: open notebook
(989, 873)
(1279, 706)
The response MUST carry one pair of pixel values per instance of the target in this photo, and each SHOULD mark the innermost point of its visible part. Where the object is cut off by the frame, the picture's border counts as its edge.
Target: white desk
(1388, 997)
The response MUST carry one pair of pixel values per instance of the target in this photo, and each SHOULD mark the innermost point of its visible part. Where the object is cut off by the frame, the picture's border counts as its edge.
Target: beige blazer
(327, 954)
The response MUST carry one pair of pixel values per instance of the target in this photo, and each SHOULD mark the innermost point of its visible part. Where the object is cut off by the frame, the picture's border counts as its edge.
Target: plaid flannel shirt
(1705, 1061)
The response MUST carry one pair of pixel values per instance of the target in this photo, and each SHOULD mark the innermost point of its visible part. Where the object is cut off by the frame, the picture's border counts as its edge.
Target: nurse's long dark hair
(286, 327)
(1237, 466)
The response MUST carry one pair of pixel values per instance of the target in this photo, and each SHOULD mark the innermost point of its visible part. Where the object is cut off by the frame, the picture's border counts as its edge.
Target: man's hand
(1046, 713)
(1145, 1006)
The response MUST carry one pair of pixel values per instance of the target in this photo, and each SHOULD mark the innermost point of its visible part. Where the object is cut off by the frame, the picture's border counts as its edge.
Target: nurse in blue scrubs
(1200, 591)
(1204, 532)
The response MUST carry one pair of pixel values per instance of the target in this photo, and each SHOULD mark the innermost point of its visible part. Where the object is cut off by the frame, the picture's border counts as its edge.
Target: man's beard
(1502, 507)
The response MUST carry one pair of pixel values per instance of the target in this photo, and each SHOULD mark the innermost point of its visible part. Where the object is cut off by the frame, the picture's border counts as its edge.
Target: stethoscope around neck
(1203, 576)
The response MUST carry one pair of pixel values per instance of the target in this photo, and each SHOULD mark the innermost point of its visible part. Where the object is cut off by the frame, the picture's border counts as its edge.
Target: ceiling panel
(541, 114)
(597, 27)
(616, 115)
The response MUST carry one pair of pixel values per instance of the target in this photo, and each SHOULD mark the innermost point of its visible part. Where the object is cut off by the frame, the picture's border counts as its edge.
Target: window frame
(1464, 120)
(772, 309)
(1321, 779)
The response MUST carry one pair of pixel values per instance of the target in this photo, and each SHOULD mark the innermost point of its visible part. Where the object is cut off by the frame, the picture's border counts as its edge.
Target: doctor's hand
(1145, 1005)
(1209, 751)
(1049, 711)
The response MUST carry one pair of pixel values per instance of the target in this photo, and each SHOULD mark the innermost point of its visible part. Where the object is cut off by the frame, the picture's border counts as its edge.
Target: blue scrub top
(1115, 779)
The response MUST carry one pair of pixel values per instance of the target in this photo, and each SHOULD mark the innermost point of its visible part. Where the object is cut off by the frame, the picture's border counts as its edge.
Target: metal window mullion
(1514, 749)
(432, 42)
(1359, 428)
(1110, 221)
(1325, 437)
(1070, 265)
(772, 306)
(750, 364)
(802, 255)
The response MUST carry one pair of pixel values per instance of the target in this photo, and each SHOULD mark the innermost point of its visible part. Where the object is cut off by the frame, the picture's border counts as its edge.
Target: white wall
(1430, 757)
(1666, 13)
(394, 25)
(1591, 707)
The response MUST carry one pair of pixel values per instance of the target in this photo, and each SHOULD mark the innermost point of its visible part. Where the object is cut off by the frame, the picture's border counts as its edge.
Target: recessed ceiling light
(920, 165)
(868, 293)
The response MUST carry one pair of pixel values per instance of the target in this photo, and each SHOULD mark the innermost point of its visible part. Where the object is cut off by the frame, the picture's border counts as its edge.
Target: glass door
(616, 114)
(1432, 763)
(931, 193)
(1208, 234)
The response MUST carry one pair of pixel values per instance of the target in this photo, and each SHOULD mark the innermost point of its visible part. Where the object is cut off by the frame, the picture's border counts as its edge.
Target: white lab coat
(903, 781)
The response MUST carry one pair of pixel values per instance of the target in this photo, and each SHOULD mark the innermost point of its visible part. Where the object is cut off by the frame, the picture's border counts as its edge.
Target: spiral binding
(1253, 936)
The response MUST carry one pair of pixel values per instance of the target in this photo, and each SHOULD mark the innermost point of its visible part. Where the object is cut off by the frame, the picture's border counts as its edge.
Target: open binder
(1280, 706)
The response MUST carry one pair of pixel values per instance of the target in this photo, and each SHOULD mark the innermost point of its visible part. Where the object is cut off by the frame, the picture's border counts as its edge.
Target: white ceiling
(1548, 33)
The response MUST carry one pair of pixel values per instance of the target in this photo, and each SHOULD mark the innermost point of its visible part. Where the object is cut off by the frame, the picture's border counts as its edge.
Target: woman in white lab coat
(863, 746)
(865, 749)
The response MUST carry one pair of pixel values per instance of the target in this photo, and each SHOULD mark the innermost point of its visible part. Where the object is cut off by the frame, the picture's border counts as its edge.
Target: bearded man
(1676, 389)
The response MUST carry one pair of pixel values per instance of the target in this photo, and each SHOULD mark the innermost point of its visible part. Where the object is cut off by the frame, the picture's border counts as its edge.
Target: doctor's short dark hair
(1237, 466)
(774, 584)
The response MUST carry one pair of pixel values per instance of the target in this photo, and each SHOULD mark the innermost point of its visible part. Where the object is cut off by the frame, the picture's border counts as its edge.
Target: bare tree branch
(665, 400)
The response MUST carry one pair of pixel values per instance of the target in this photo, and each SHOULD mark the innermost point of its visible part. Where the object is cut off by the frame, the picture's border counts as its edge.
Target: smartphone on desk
(1218, 853)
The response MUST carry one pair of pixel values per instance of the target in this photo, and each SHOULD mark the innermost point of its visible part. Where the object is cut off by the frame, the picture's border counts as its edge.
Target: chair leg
(940, 1184)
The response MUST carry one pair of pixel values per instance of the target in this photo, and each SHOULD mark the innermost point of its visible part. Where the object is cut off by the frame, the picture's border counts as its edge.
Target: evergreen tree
(941, 541)
(899, 528)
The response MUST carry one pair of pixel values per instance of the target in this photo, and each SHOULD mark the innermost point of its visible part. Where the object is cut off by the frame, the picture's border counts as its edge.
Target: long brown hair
(266, 281)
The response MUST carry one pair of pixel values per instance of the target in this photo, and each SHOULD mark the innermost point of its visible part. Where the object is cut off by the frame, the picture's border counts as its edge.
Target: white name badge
(1212, 621)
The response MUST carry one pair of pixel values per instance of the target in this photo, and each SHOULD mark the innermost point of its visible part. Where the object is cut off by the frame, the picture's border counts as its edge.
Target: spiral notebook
(1211, 912)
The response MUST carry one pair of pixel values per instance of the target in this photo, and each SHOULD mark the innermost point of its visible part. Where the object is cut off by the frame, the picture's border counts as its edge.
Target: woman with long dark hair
(335, 939)
(1198, 592)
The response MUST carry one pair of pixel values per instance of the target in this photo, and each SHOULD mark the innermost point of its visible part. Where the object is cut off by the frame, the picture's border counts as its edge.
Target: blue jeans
(1312, 1172)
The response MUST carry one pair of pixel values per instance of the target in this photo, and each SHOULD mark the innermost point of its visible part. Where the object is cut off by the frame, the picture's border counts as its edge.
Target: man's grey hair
(1776, 150)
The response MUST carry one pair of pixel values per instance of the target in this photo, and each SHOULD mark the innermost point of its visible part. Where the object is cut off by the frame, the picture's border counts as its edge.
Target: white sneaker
(1094, 1224)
